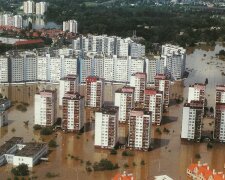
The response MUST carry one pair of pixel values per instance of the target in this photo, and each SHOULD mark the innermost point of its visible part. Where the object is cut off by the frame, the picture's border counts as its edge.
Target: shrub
(197, 156)
(21, 170)
(46, 131)
(37, 127)
(125, 165)
(142, 162)
(113, 152)
(21, 108)
(104, 164)
(158, 130)
(127, 153)
(52, 144)
(51, 175)
(209, 146)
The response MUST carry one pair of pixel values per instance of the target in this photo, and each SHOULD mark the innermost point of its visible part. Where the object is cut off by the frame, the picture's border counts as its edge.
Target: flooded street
(169, 156)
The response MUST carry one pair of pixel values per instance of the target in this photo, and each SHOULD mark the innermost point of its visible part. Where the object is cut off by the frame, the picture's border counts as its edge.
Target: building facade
(41, 8)
(138, 81)
(163, 84)
(94, 92)
(106, 127)
(192, 120)
(71, 26)
(73, 112)
(139, 136)
(68, 84)
(28, 7)
(45, 108)
(124, 99)
(153, 102)
(196, 92)
(219, 126)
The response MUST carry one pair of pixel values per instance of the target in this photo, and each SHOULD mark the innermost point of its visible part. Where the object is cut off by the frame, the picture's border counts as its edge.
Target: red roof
(123, 176)
(33, 41)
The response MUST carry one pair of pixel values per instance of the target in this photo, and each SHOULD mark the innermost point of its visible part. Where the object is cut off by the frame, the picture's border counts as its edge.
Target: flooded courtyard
(169, 156)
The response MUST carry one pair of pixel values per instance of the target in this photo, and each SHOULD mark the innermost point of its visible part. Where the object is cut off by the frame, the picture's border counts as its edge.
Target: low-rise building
(198, 171)
(139, 136)
(15, 152)
(124, 176)
(106, 127)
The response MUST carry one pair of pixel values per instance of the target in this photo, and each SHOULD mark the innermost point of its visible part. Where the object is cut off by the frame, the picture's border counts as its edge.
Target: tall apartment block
(139, 136)
(219, 127)
(173, 61)
(124, 99)
(28, 7)
(70, 26)
(153, 102)
(192, 120)
(220, 94)
(3, 69)
(106, 127)
(196, 92)
(94, 92)
(163, 84)
(138, 81)
(151, 65)
(41, 8)
(73, 112)
(68, 84)
(45, 108)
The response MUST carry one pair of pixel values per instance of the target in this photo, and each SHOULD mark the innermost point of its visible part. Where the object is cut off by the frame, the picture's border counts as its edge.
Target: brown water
(170, 156)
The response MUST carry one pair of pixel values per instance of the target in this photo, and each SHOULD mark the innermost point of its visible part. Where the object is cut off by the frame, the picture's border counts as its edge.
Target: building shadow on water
(159, 143)
(168, 119)
(88, 126)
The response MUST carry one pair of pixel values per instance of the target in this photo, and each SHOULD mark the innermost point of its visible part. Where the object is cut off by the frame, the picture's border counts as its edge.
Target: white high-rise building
(45, 108)
(135, 65)
(138, 81)
(153, 102)
(192, 120)
(3, 69)
(196, 92)
(121, 66)
(124, 99)
(70, 26)
(220, 94)
(68, 84)
(16, 66)
(43, 68)
(174, 58)
(219, 127)
(41, 8)
(30, 67)
(163, 84)
(139, 136)
(18, 21)
(28, 7)
(94, 92)
(73, 112)
(108, 73)
(3, 118)
(137, 50)
(98, 65)
(122, 47)
(106, 127)
(151, 69)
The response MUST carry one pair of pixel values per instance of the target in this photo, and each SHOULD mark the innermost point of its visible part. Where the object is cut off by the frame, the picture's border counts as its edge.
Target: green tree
(21, 170)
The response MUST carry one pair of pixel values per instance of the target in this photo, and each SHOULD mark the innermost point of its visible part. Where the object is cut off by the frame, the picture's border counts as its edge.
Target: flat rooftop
(109, 109)
(30, 149)
(9, 144)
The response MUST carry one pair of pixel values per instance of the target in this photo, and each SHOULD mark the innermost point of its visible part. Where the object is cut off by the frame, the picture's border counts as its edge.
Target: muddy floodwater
(169, 156)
